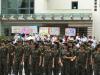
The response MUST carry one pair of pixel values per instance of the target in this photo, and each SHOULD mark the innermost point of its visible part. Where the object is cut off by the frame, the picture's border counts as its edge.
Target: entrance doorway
(81, 30)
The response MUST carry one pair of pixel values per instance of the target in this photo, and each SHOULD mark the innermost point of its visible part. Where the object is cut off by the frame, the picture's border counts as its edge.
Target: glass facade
(18, 6)
(12, 4)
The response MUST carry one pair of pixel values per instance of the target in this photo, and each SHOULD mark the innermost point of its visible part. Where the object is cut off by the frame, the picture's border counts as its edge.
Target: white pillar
(0, 6)
(96, 24)
(0, 14)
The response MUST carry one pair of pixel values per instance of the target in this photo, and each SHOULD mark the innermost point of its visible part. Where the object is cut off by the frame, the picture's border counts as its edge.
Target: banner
(70, 31)
(15, 29)
(49, 30)
(24, 29)
(43, 30)
(54, 31)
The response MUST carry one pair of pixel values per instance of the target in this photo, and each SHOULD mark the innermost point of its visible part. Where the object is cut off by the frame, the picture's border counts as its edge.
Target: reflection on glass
(31, 3)
(31, 11)
(12, 3)
(19, 6)
(12, 11)
(23, 3)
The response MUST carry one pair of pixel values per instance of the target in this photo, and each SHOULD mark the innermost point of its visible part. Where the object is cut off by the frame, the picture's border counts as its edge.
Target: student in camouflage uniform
(34, 58)
(3, 58)
(96, 60)
(11, 49)
(27, 57)
(18, 58)
(73, 59)
(68, 60)
(41, 59)
(48, 60)
(57, 58)
(82, 60)
(0, 57)
(89, 50)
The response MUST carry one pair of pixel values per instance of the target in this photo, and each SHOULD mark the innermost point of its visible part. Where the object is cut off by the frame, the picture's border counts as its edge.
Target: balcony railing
(48, 16)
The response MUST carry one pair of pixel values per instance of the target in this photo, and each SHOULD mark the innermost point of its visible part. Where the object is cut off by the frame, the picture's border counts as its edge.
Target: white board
(43, 31)
(24, 29)
(54, 31)
(70, 31)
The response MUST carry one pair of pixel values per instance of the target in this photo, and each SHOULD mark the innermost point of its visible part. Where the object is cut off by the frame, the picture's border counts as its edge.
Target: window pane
(31, 11)
(4, 6)
(82, 30)
(23, 11)
(12, 11)
(23, 3)
(12, 3)
(31, 3)
(74, 5)
(6, 31)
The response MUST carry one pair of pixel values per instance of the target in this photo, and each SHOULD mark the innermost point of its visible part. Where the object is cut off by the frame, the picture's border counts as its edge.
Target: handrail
(46, 16)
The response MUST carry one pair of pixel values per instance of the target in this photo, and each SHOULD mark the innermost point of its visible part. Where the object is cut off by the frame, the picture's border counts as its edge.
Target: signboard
(16, 29)
(43, 30)
(70, 31)
(24, 29)
(54, 31)
(49, 30)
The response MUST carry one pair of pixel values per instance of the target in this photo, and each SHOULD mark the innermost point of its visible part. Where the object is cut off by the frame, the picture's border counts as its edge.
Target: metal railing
(48, 16)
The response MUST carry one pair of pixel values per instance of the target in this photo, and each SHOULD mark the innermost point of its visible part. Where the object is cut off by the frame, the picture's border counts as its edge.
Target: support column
(0, 7)
(0, 29)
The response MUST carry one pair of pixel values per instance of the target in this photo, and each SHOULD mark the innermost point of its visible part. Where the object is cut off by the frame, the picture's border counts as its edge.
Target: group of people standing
(47, 58)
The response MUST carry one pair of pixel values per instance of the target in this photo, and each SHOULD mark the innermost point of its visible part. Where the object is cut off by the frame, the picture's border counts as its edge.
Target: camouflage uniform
(41, 59)
(57, 56)
(48, 60)
(18, 59)
(34, 60)
(82, 61)
(27, 59)
(89, 61)
(11, 49)
(96, 59)
(3, 59)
